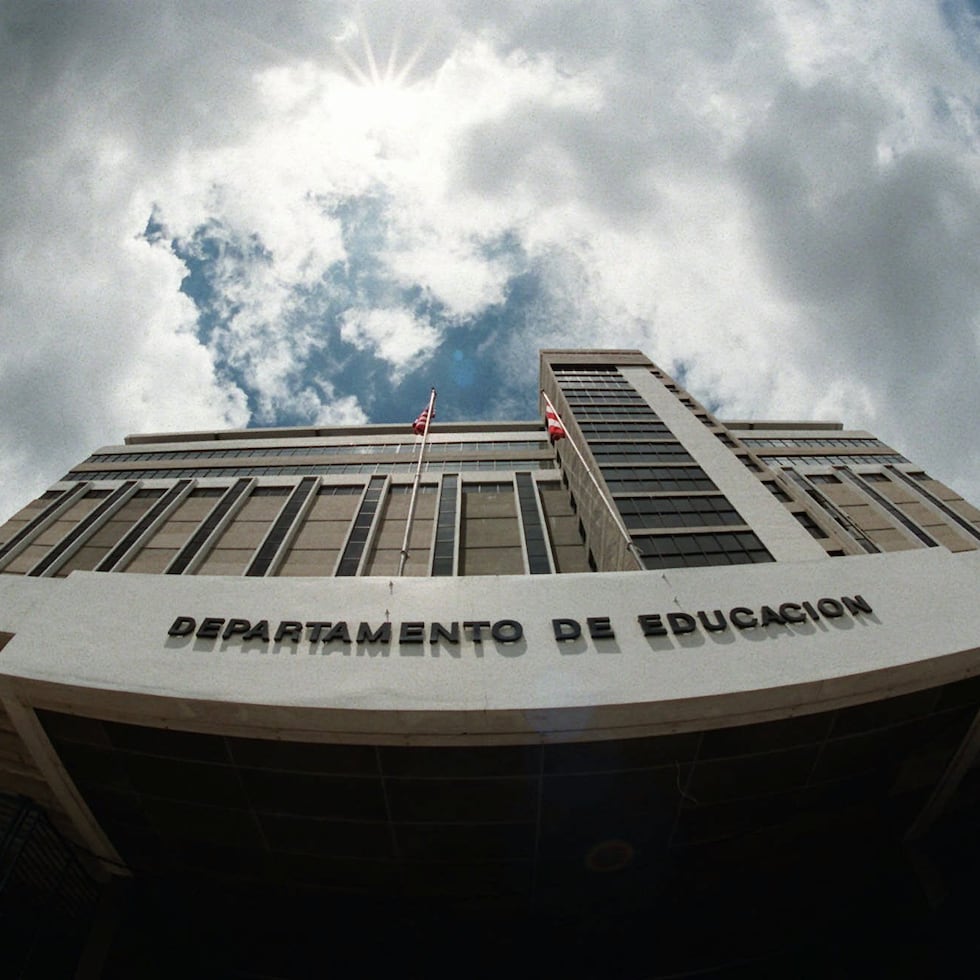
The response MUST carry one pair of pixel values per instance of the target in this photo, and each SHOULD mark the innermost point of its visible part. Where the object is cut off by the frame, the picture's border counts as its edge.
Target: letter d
(681, 623)
(566, 629)
(182, 626)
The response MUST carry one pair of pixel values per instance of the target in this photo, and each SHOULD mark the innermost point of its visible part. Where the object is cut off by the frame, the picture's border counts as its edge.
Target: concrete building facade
(668, 667)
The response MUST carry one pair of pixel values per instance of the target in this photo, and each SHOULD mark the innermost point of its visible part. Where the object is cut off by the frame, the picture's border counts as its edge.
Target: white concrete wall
(99, 643)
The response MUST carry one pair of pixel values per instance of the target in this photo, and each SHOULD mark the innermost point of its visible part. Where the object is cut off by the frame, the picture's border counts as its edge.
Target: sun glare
(382, 91)
(366, 72)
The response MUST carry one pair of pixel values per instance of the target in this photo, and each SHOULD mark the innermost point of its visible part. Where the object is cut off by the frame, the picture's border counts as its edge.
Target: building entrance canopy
(468, 659)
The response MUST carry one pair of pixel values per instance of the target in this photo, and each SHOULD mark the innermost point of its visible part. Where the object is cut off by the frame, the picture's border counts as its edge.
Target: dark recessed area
(730, 845)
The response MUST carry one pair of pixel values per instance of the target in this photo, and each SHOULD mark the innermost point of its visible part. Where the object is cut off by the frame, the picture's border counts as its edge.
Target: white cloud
(395, 335)
(341, 411)
(782, 198)
(94, 350)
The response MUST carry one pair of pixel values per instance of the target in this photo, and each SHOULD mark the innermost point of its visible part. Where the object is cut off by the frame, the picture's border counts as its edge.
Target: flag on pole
(556, 430)
(418, 426)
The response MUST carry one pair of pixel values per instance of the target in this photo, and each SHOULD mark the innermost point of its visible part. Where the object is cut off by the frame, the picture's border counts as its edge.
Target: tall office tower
(719, 676)
(692, 490)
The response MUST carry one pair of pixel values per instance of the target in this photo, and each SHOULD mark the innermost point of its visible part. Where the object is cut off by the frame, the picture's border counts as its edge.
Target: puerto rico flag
(418, 426)
(556, 430)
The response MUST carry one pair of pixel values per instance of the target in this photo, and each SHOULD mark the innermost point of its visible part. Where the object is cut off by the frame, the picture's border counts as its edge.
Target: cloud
(221, 215)
(80, 381)
(396, 336)
(341, 411)
(881, 254)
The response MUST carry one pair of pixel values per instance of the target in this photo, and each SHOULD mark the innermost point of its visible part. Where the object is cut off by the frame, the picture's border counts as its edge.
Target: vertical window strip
(888, 506)
(633, 447)
(142, 526)
(363, 521)
(74, 539)
(34, 527)
(207, 527)
(283, 523)
(444, 548)
(535, 538)
(853, 531)
(936, 502)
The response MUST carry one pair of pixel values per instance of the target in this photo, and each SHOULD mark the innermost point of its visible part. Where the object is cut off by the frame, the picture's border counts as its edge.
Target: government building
(632, 691)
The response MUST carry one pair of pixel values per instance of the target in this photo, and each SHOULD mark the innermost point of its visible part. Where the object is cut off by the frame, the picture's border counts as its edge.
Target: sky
(236, 213)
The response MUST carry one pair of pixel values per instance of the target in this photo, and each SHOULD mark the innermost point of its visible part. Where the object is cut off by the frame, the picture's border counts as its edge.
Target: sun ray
(391, 66)
(366, 71)
(369, 53)
(410, 63)
(355, 69)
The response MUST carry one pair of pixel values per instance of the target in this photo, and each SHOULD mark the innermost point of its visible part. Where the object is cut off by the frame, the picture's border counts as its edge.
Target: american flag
(418, 426)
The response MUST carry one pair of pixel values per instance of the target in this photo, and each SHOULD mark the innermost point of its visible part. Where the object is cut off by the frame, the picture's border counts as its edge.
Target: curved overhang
(491, 660)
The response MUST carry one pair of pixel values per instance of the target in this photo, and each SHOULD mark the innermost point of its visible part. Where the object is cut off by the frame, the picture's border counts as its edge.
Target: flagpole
(415, 485)
(617, 520)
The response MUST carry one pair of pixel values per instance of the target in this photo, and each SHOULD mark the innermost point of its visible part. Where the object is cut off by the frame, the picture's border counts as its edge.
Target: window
(363, 522)
(284, 521)
(811, 525)
(228, 500)
(626, 413)
(639, 452)
(777, 491)
(814, 443)
(692, 550)
(430, 466)
(662, 479)
(687, 511)
(634, 430)
(834, 460)
(445, 546)
(534, 539)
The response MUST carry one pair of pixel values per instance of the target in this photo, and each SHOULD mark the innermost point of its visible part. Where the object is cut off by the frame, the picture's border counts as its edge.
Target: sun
(380, 92)
(366, 72)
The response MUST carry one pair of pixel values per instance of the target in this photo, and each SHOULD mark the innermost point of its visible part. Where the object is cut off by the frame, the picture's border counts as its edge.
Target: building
(674, 680)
